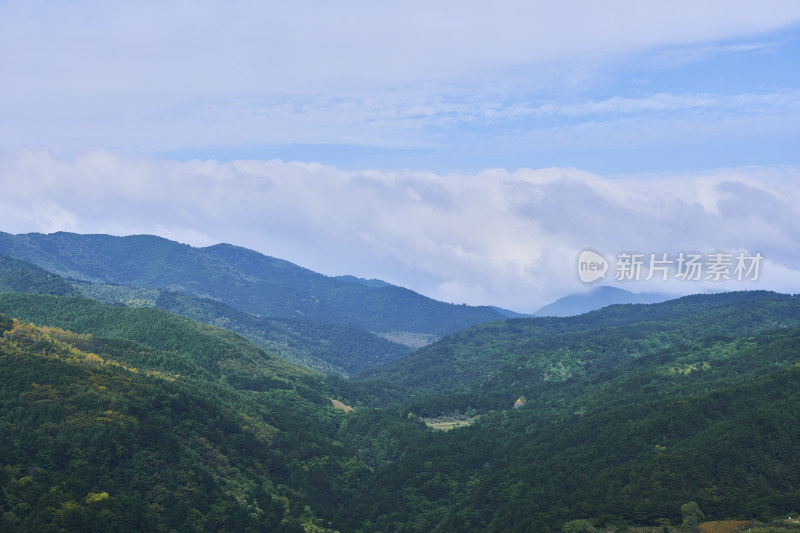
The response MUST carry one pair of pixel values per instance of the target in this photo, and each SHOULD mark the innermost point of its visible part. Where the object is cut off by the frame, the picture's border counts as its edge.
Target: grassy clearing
(446, 423)
(340, 405)
(723, 526)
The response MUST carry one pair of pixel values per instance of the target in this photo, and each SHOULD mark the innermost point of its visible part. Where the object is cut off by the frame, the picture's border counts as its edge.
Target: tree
(691, 513)
(578, 526)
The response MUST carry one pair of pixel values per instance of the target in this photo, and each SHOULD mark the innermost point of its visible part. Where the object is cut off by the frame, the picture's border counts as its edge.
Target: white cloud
(144, 77)
(494, 237)
(256, 47)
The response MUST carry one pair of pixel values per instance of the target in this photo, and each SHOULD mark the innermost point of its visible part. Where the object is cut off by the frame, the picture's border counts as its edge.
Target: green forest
(138, 409)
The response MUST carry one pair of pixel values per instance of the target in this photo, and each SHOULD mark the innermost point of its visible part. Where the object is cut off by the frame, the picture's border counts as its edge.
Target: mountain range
(324, 322)
(120, 411)
(247, 280)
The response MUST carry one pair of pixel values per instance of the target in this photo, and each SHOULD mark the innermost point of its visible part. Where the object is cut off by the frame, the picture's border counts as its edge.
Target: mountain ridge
(243, 278)
(342, 349)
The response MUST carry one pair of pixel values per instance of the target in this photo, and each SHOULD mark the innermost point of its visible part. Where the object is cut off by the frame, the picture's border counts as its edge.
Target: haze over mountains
(579, 303)
(116, 414)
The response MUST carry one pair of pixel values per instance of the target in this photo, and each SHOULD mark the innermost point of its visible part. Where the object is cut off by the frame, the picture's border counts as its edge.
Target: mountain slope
(242, 278)
(342, 349)
(505, 359)
(215, 350)
(20, 276)
(667, 429)
(648, 408)
(160, 423)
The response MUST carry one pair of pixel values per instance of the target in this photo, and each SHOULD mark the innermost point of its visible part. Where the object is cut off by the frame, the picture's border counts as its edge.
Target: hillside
(147, 421)
(342, 349)
(506, 359)
(717, 427)
(242, 278)
(216, 351)
(20, 276)
(629, 413)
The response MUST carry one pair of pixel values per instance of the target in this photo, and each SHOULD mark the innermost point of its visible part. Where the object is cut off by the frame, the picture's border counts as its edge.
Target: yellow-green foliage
(94, 497)
(58, 344)
(558, 372)
(688, 368)
(41, 394)
(340, 405)
(47, 342)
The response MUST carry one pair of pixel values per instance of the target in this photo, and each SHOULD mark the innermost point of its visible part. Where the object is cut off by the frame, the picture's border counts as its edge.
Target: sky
(469, 151)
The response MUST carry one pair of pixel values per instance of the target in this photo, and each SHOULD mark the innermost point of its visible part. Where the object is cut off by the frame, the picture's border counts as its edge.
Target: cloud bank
(493, 237)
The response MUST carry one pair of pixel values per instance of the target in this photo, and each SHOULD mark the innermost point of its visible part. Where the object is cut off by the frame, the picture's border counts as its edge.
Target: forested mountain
(242, 278)
(506, 359)
(624, 415)
(20, 276)
(122, 419)
(148, 421)
(717, 426)
(342, 349)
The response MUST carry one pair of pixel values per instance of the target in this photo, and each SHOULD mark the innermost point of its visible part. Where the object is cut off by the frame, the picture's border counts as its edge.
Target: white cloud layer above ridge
(495, 237)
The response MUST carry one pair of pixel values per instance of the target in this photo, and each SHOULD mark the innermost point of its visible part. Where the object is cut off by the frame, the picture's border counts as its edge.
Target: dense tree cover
(19, 276)
(217, 350)
(137, 418)
(341, 349)
(666, 431)
(88, 441)
(122, 295)
(490, 365)
(242, 278)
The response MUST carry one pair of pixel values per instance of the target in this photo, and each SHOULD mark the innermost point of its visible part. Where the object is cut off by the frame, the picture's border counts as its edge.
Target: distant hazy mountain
(579, 303)
(242, 278)
(510, 314)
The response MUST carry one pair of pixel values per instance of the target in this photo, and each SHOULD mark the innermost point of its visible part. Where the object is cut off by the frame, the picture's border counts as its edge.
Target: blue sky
(466, 150)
